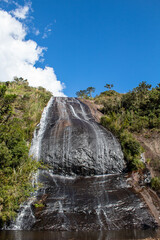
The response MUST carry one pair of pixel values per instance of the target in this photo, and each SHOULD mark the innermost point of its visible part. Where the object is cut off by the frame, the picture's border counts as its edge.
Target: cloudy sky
(68, 45)
(19, 55)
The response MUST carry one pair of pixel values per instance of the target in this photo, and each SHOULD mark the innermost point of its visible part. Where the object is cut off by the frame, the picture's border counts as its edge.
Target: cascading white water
(38, 133)
(84, 189)
(79, 142)
(25, 212)
(102, 149)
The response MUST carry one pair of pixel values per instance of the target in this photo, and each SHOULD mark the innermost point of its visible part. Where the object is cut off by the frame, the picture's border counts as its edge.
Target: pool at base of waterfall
(80, 235)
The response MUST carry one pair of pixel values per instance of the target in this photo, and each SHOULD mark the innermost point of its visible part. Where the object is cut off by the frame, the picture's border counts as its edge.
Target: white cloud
(21, 12)
(36, 31)
(5, 1)
(47, 31)
(18, 56)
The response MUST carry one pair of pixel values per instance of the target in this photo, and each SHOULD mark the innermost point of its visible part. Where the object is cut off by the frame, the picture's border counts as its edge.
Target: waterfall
(25, 214)
(35, 149)
(84, 187)
(73, 135)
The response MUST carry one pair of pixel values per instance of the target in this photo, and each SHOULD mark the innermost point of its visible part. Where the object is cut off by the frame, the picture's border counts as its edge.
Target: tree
(82, 93)
(90, 90)
(21, 80)
(108, 86)
(143, 87)
(142, 90)
(158, 87)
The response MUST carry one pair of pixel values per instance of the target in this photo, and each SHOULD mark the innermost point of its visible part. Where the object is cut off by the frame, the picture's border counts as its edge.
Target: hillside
(134, 118)
(20, 111)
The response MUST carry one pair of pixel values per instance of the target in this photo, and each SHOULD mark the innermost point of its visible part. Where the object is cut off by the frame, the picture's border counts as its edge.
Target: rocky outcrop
(94, 108)
(85, 187)
(90, 203)
(74, 143)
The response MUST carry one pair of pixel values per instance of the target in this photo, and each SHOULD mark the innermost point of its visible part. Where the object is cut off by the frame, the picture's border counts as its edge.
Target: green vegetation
(155, 183)
(86, 93)
(136, 110)
(20, 111)
(129, 114)
(39, 205)
(108, 86)
(130, 146)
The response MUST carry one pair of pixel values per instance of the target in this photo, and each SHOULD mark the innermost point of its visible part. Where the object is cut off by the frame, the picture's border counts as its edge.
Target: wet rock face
(73, 143)
(89, 203)
(77, 147)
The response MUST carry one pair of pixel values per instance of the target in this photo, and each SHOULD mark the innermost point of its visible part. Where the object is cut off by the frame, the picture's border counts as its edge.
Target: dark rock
(73, 197)
(74, 143)
(90, 203)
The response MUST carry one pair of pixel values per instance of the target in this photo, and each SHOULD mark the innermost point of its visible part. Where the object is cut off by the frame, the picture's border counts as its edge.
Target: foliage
(20, 110)
(108, 86)
(39, 205)
(107, 98)
(136, 110)
(130, 146)
(143, 106)
(133, 113)
(86, 93)
(155, 183)
(82, 94)
(130, 113)
(90, 90)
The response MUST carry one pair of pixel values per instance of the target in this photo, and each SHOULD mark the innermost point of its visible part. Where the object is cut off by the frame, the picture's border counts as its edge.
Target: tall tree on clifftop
(90, 90)
(82, 93)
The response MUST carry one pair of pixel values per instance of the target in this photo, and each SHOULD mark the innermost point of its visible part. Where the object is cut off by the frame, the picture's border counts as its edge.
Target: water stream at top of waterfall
(85, 188)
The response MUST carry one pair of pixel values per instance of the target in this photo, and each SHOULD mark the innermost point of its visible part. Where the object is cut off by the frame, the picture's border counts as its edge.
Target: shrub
(155, 183)
(136, 164)
(130, 146)
(20, 111)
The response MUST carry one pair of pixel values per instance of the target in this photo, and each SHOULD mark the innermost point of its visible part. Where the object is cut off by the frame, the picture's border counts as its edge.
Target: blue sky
(94, 42)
